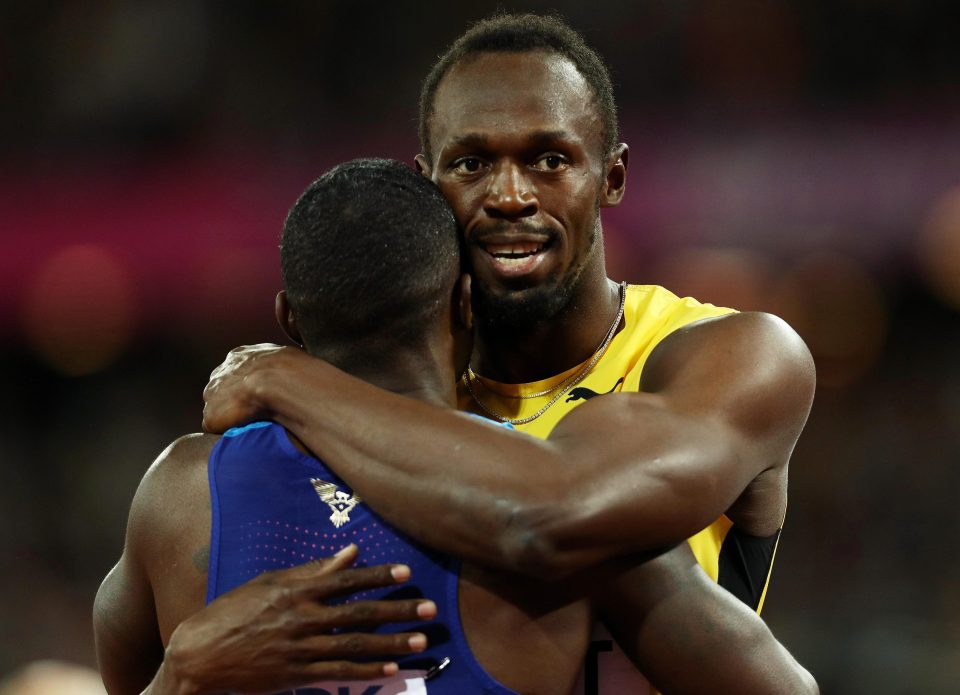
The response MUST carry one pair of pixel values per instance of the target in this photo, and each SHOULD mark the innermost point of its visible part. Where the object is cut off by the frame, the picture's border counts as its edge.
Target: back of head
(370, 257)
(519, 33)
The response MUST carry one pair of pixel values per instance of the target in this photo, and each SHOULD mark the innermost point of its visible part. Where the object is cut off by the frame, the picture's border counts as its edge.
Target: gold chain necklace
(469, 376)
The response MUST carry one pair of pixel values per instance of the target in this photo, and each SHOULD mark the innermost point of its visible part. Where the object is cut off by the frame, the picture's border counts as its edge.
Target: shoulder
(757, 343)
(173, 496)
(177, 465)
(666, 309)
(170, 511)
(750, 369)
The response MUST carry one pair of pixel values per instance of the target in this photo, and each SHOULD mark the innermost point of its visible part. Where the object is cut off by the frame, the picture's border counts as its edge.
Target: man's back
(269, 505)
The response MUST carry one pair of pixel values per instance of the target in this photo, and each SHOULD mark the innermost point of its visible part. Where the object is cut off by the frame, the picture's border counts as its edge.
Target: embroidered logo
(582, 393)
(340, 503)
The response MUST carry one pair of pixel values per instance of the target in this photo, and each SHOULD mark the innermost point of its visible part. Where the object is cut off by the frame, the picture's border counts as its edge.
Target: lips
(515, 257)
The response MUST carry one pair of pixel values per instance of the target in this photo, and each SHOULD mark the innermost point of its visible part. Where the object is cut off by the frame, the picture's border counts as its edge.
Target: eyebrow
(540, 137)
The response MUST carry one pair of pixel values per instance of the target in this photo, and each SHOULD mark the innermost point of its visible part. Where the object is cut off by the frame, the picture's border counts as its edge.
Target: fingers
(303, 674)
(332, 578)
(341, 559)
(356, 645)
(347, 670)
(227, 402)
(371, 613)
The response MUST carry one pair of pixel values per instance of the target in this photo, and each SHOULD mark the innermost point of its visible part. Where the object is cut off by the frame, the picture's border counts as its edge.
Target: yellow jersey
(739, 562)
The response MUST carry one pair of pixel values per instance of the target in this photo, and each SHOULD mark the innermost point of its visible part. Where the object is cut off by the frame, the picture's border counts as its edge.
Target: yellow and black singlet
(740, 562)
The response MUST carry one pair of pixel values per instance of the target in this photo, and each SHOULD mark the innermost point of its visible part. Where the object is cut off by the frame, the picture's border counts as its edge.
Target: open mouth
(514, 254)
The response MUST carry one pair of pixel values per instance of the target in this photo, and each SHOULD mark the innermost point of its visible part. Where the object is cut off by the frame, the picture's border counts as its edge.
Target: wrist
(168, 680)
(280, 390)
(175, 677)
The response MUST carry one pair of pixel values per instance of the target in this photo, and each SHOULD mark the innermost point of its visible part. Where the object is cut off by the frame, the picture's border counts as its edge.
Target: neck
(553, 345)
(425, 373)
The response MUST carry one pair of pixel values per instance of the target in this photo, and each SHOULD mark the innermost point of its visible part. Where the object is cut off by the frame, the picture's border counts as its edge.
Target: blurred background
(800, 157)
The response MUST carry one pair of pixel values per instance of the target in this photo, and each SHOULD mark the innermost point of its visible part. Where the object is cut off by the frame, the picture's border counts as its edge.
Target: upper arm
(722, 402)
(689, 635)
(750, 374)
(129, 605)
(126, 634)
(126, 631)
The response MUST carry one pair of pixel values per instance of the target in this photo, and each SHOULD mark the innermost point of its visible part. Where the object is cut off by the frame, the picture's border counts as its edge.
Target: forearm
(459, 476)
(497, 496)
(724, 653)
(167, 683)
(689, 636)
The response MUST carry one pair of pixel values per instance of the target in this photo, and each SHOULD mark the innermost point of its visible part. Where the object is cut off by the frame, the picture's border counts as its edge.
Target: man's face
(516, 149)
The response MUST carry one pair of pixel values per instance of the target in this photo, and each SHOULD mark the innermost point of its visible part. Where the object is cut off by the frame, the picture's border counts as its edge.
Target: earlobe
(422, 165)
(616, 179)
(286, 319)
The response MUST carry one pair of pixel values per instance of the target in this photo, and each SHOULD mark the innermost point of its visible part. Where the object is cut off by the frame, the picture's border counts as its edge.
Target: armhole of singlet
(488, 683)
(213, 562)
(745, 564)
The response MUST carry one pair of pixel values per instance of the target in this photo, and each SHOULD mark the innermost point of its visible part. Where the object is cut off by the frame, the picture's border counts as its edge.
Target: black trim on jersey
(745, 564)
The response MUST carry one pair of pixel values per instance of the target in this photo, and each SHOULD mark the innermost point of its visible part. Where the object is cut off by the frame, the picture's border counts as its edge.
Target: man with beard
(518, 129)
(704, 406)
(251, 517)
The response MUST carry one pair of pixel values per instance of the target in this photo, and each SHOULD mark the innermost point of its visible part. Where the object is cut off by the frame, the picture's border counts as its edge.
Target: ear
(423, 166)
(616, 177)
(286, 319)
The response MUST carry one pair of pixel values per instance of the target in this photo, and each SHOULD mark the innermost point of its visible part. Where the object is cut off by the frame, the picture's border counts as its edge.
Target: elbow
(530, 554)
(809, 684)
(536, 544)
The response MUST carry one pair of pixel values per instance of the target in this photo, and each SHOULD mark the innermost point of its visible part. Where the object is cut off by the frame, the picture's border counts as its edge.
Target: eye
(466, 165)
(550, 162)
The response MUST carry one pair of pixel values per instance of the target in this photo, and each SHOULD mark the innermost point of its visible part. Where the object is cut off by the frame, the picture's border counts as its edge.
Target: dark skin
(275, 632)
(516, 150)
(150, 610)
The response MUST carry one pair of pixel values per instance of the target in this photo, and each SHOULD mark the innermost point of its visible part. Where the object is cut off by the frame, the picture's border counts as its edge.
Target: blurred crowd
(800, 157)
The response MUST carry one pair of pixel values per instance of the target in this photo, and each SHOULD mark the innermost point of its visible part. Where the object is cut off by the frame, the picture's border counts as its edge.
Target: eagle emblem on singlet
(341, 503)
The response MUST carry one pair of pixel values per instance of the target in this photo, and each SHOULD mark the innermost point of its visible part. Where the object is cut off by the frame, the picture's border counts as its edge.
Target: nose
(510, 195)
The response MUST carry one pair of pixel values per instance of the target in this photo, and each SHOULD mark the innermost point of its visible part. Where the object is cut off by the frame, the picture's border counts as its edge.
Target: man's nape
(379, 311)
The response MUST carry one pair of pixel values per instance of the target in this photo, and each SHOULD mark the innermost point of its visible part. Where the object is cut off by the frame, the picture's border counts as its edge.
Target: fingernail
(400, 572)
(427, 609)
(390, 669)
(344, 550)
(417, 642)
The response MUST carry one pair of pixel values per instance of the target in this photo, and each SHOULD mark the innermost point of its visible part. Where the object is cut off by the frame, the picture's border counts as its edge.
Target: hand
(230, 397)
(276, 633)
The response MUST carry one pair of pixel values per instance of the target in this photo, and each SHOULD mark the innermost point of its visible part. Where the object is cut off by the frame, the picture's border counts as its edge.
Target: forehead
(496, 94)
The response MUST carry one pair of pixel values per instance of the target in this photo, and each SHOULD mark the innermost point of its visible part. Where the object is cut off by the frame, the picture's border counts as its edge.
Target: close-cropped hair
(370, 250)
(520, 33)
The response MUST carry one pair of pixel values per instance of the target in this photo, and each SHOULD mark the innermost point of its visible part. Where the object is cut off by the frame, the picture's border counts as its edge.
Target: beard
(521, 309)
(518, 310)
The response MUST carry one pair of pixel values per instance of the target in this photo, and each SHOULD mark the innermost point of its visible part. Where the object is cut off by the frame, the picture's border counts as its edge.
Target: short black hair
(369, 254)
(520, 33)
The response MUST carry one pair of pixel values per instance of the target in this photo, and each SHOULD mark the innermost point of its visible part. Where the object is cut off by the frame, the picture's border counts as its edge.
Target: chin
(517, 309)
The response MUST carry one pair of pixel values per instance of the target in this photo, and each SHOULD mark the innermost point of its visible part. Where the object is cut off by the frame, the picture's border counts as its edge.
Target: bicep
(126, 634)
(723, 402)
(128, 639)
(750, 372)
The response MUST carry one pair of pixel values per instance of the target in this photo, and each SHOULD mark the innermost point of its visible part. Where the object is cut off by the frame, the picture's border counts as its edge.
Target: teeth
(516, 250)
(511, 260)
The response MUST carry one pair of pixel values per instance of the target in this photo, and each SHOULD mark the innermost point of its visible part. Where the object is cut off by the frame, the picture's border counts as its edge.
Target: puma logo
(585, 394)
